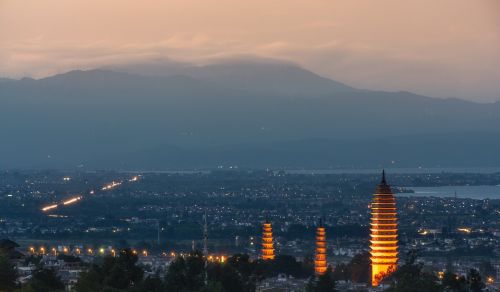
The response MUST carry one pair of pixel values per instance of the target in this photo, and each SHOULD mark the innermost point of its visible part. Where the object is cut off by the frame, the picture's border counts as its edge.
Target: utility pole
(158, 228)
(205, 245)
(205, 235)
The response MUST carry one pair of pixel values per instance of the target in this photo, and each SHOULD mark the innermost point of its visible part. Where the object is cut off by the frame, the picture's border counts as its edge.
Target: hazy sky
(434, 47)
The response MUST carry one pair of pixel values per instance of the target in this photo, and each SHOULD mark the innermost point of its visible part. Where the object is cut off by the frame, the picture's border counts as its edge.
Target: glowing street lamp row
(103, 251)
(42, 250)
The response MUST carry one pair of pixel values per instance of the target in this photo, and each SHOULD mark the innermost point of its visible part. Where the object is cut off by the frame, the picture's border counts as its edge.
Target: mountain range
(161, 115)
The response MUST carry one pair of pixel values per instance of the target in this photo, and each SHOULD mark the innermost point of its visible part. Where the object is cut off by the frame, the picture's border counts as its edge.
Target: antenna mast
(205, 235)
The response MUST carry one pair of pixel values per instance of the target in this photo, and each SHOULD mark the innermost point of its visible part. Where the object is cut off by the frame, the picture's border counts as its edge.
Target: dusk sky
(448, 48)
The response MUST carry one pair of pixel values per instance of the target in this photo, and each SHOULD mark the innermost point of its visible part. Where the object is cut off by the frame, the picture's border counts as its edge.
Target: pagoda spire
(384, 232)
(383, 187)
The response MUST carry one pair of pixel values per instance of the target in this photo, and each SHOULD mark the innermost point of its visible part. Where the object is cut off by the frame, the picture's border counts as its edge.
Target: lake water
(419, 170)
(471, 192)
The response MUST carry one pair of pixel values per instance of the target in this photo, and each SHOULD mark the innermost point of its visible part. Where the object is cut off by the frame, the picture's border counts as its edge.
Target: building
(282, 283)
(320, 263)
(384, 232)
(267, 241)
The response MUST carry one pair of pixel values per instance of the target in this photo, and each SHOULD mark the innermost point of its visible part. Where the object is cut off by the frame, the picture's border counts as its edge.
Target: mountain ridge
(81, 116)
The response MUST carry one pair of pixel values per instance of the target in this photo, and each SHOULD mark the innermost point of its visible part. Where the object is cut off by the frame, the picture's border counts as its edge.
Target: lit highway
(77, 198)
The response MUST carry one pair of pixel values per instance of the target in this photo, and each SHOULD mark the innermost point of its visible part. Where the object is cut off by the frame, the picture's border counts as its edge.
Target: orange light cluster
(217, 259)
(384, 233)
(50, 207)
(72, 200)
(320, 264)
(110, 186)
(267, 242)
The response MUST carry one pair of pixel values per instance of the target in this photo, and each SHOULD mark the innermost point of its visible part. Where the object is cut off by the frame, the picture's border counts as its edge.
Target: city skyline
(159, 219)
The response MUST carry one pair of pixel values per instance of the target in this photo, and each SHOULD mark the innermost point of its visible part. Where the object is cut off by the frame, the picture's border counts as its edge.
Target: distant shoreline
(415, 170)
(409, 170)
(481, 192)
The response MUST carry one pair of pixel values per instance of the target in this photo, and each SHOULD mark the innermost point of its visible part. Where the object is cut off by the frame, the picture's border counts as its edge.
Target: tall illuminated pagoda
(267, 241)
(384, 232)
(320, 263)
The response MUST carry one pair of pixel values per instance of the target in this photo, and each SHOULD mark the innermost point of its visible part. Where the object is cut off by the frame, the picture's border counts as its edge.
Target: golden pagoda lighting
(384, 233)
(267, 241)
(320, 263)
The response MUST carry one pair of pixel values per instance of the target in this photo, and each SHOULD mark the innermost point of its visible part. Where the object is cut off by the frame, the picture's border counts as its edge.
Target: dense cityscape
(249, 146)
(67, 221)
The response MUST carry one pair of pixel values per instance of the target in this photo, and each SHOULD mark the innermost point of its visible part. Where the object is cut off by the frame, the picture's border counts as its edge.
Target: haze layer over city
(249, 145)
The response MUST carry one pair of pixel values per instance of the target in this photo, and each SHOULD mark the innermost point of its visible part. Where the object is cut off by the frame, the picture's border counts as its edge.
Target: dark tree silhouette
(151, 284)
(341, 272)
(359, 268)
(487, 269)
(228, 278)
(476, 284)
(323, 283)
(115, 273)
(454, 283)
(411, 277)
(44, 280)
(186, 274)
(8, 274)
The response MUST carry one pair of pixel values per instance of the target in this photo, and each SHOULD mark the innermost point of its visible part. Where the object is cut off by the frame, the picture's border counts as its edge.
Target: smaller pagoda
(320, 263)
(267, 241)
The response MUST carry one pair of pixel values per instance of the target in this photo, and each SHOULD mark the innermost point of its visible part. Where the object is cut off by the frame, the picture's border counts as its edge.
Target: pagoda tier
(267, 242)
(384, 233)
(320, 262)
